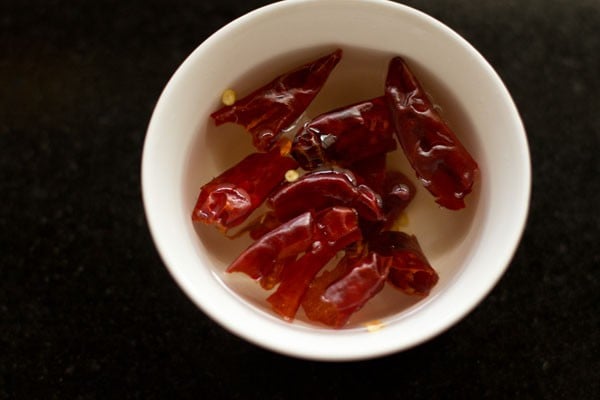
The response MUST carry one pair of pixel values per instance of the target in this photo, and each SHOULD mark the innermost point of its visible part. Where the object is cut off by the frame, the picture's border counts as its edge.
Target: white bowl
(470, 249)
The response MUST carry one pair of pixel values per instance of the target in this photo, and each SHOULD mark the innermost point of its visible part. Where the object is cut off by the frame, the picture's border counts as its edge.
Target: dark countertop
(87, 309)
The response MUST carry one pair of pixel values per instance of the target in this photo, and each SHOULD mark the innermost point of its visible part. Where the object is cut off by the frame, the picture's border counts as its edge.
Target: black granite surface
(87, 309)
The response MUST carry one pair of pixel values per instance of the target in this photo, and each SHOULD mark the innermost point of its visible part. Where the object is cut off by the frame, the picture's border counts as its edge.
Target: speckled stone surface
(87, 309)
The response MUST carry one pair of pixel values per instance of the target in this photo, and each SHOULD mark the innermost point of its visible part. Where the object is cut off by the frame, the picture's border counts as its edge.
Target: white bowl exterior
(263, 34)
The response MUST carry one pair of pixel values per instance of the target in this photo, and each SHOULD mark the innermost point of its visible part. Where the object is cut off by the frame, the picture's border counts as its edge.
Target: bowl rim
(322, 344)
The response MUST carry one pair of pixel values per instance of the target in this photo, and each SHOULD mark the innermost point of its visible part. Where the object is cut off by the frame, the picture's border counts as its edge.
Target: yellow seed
(291, 175)
(285, 146)
(374, 326)
(228, 97)
(400, 222)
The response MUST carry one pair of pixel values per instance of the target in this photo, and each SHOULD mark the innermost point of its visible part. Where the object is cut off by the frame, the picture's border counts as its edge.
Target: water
(444, 235)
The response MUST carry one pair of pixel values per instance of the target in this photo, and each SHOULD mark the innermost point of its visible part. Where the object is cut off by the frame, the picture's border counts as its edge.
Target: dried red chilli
(410, 270)
(265, 258)
(396, 257)
(320, 189)
(272, 108)
(336, 294)
(371, 171)
(335, 229)
(441, 162)
(395, 188)
(227, 200)
(346, 135)
(398, 192)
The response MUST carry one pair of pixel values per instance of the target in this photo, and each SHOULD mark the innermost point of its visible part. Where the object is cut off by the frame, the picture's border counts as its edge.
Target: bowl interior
(470, 249)
(359, 76)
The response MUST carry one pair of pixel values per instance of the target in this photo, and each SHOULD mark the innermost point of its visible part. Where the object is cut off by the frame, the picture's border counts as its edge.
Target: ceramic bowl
(470, 249)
